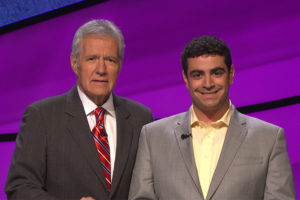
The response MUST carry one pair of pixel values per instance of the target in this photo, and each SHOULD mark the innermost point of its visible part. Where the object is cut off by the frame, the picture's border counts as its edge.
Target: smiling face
(208, 82)
(97, 67)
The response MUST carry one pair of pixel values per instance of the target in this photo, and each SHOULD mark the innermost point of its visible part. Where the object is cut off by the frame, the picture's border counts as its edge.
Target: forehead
(96, 43)
(206, 62)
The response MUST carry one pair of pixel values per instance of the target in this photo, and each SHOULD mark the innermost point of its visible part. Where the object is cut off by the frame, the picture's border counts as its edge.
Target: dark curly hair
(205, 45)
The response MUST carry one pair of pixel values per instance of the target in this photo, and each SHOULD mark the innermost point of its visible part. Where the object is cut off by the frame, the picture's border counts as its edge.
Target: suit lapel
(186, 148)
(124, 139)
(234, 137)
(79, 130)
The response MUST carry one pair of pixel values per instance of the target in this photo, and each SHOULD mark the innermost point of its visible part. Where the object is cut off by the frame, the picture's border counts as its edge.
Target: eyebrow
(217, 69)
(196, 71)
(213, 70)
(111, 57)
(92, 56)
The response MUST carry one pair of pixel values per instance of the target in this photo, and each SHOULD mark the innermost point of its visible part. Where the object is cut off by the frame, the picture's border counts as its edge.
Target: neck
(99, 101)
(210, 115)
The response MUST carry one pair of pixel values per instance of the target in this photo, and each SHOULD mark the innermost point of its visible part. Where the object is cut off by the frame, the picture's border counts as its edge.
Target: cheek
(114, 74)
(223, 82)
(85, 76)
(87, 71)
(194, 85)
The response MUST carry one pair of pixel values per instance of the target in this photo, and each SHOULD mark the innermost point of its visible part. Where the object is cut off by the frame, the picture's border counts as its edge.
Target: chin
(209, 106)
(100, 91)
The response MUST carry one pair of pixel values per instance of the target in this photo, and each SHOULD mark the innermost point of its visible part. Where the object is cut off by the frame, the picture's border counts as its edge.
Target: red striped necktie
(100, 139)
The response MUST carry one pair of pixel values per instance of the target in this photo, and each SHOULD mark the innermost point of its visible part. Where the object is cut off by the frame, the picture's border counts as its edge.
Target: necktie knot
(99, 114)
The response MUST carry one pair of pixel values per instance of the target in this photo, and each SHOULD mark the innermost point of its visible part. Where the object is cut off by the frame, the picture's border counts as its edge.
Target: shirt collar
(225, 119)
(89, 106)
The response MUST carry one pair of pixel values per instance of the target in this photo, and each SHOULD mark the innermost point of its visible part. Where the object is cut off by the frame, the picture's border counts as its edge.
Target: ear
(73, 62)
(185, 79)
(231, 75)
(120, 67)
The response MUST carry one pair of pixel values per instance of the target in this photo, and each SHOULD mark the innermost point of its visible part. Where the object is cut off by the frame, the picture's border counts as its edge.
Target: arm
(142, 179)
(279, 182)
(27, 174)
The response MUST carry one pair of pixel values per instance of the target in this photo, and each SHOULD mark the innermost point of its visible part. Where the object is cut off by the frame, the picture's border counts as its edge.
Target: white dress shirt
(110, 122)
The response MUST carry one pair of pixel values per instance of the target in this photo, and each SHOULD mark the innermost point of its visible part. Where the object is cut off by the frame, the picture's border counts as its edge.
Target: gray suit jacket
(253, 164)
(55, 155)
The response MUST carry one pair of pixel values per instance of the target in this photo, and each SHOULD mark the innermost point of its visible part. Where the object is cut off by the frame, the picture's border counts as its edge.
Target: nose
(101, 67)
(208, 82)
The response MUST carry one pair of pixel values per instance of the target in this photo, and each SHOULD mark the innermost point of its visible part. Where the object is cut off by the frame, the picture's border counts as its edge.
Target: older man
(212, 151)
(81, 144)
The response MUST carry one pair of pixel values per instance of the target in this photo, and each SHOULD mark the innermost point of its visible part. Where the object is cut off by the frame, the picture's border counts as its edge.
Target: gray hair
(99, 27)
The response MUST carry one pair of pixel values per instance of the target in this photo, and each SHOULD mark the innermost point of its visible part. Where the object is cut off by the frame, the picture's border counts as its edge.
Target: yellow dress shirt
(207, 145)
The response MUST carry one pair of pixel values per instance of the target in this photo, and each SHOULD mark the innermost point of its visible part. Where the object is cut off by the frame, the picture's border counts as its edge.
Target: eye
(92, 58)
(196, 75)
(111, 59)
(218, 73)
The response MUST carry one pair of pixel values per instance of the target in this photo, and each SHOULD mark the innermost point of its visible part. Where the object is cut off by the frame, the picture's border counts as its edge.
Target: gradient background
(263, 37)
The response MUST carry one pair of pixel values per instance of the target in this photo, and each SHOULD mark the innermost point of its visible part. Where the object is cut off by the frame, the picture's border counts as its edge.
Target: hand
(87, 198)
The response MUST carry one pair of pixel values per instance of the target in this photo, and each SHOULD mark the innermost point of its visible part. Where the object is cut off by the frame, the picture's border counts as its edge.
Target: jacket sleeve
(142, 179)
(279, 182)
(27, 173)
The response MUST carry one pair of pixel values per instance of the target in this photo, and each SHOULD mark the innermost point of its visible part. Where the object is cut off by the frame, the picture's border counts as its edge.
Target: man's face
(98, 67)
(208, 82)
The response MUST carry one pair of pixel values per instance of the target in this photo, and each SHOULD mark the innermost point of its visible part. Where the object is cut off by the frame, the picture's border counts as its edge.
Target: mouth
(99, 81)
(209, 93)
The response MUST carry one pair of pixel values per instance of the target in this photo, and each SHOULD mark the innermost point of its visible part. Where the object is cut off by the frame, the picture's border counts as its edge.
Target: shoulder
(130, 105)
(259, 136)
(55, 102)
(58, 102)
(44, 113)
(172, 121)
(138, 114)
(166, 126)
(258, 127)
(163, 130)
(253, 122)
